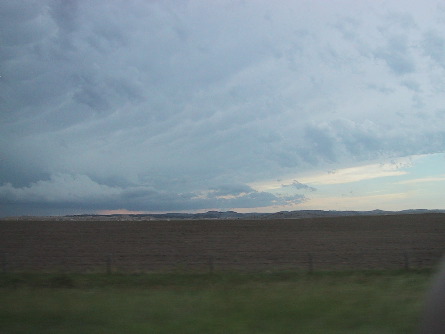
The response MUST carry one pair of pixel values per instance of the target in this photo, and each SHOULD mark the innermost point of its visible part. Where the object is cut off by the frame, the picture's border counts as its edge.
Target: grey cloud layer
(81, 194)
(186, 97)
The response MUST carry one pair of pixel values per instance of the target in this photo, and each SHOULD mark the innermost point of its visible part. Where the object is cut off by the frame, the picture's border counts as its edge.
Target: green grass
(282, 302)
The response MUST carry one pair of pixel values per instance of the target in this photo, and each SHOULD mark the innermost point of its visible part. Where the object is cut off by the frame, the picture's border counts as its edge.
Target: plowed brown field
(358, 242)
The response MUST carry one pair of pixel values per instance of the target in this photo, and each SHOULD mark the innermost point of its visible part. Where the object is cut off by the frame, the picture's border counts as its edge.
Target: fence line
(304, 261)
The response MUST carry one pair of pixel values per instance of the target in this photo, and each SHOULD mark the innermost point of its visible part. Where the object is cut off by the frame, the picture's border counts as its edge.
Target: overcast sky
(157, 106)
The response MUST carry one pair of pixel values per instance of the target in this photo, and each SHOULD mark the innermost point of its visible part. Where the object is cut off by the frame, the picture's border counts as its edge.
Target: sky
(195, 105)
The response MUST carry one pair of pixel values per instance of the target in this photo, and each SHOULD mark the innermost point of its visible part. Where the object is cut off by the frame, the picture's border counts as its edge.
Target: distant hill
(222, 215)
(253, 215)
(334, 213)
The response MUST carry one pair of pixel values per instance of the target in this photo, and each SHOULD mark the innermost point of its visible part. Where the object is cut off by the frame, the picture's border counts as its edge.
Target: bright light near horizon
(359, 203)
(424, 180)
(354, 174)
(343, 175)
(413, 182)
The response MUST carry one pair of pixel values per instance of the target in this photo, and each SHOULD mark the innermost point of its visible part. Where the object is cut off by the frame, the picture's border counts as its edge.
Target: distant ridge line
(225, 215)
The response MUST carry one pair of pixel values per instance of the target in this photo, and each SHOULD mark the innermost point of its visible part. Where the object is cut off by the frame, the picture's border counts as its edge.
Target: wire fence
(213, 261)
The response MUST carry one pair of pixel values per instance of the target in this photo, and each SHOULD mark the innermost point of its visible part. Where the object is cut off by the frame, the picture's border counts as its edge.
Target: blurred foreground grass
(277, 302)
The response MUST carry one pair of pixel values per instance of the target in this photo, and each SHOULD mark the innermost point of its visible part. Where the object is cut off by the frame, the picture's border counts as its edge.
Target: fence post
(211, 265)
(109, 263)
(310, 263)
(5, 263)
(405, 260)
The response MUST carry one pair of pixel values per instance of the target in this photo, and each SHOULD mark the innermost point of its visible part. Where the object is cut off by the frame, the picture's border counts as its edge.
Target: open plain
(362, 242)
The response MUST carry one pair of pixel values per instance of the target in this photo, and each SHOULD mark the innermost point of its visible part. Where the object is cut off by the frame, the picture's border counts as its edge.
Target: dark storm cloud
(80, 193)
(156, 105)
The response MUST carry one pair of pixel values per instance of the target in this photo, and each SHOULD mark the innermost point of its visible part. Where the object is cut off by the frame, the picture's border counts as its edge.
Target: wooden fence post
(211, 265)
(310, 263)
(5, 263)
(109, 263)
(406, 260)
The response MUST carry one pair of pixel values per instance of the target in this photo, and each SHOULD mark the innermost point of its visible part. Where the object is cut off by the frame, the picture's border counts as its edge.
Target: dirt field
(416, 241)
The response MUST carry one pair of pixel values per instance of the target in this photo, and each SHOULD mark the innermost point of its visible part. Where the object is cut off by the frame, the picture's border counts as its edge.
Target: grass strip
(220, 302)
